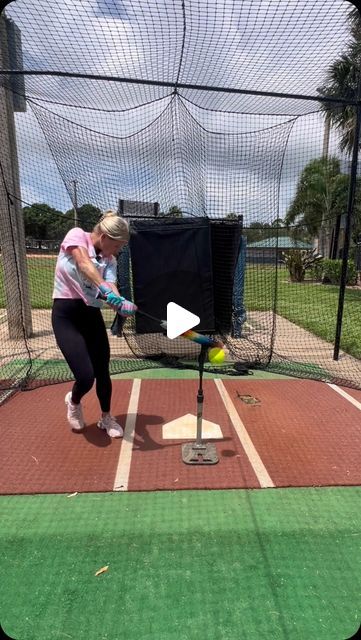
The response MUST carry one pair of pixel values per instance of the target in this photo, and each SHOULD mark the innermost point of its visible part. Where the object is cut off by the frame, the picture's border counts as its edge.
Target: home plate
(185, 428)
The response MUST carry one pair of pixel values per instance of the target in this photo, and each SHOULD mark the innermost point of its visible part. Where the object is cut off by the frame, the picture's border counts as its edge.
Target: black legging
(82, 338)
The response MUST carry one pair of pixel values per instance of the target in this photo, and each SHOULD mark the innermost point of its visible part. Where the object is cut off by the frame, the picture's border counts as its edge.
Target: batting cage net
(227, 134)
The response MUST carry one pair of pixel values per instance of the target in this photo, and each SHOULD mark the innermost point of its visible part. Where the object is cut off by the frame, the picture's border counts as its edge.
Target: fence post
(12, 236)
(350, 207)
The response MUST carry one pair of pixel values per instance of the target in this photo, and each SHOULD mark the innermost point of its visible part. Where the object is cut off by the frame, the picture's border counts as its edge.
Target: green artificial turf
(58, 370)
(300, 369)
(192, 374)
(278, 564)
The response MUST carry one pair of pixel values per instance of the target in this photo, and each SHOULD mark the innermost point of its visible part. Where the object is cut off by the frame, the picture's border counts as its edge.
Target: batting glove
(127, 308)
(111, 298)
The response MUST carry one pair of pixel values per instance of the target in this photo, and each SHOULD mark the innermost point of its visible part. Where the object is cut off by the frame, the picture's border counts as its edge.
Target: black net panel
(209, 109)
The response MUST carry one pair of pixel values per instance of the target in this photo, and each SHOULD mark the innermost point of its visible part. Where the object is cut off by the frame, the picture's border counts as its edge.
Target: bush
(331, 272)
(298, 261)
(316, 271)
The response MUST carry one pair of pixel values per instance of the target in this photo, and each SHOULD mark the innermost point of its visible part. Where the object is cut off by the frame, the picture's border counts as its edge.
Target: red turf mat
(305, 432)
(157, 463)
(39, 452)
(354, 393)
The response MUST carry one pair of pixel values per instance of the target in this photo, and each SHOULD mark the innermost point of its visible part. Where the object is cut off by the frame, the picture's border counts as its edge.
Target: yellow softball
(216, 355)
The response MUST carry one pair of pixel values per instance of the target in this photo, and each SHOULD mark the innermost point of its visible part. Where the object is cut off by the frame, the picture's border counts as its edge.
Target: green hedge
(329, 271)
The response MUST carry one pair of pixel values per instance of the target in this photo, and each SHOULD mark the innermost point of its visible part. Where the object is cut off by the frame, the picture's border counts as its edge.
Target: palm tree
(315, 205)
(321, 201)
(342, 82)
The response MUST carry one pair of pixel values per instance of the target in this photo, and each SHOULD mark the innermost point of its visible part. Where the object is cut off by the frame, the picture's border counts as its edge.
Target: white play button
(179, 320)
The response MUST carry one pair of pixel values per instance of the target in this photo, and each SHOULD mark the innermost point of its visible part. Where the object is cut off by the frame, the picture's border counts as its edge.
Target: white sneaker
(75, 414)
(109, 423)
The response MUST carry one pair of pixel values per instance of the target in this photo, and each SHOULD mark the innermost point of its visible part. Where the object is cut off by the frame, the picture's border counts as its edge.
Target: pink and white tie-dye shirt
(69, 282)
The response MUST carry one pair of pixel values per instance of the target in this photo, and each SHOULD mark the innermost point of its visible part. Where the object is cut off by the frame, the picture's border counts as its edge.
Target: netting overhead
(189, 104)
(172, 159)
(260, 45)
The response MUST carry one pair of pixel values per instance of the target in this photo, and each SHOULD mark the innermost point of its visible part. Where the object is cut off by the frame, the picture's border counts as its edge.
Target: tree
(42, 221)
(174, 212)
(88, 216)
(313, 204)
(341, 81)
(256, 231)
(280, 226)
(298, 261)
(277, 222)
(321, 197)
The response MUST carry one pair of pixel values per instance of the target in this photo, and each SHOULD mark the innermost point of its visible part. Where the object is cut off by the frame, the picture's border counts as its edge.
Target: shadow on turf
(100, 438)
(143, 439)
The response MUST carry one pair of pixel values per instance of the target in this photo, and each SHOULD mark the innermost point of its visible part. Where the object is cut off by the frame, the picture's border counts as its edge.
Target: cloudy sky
(205, 151)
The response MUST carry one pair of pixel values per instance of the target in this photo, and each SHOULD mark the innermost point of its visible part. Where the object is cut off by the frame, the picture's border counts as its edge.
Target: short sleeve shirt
(69, 282)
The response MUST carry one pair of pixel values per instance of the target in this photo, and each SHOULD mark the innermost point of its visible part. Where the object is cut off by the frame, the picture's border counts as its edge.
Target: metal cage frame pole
(350, 210)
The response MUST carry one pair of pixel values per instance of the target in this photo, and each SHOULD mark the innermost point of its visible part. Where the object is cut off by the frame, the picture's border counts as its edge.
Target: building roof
(284, 242)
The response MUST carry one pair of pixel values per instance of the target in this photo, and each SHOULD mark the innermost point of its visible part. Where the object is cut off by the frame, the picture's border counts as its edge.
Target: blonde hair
(113, 226)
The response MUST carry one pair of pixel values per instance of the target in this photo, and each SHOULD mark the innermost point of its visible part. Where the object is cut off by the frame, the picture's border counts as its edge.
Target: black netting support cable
(290, 116)
(34, 105)
(183, 43)
(183, 101)
(89, 108)
(335, 100)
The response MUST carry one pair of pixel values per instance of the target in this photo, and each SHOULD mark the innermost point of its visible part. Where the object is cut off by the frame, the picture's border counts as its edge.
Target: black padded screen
(172, 262)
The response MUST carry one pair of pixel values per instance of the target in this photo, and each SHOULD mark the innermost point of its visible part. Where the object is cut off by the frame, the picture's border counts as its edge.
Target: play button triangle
(179, 320)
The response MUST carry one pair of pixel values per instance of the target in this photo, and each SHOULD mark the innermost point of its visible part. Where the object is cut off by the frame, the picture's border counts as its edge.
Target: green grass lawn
(309, 305)
(41, 281)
